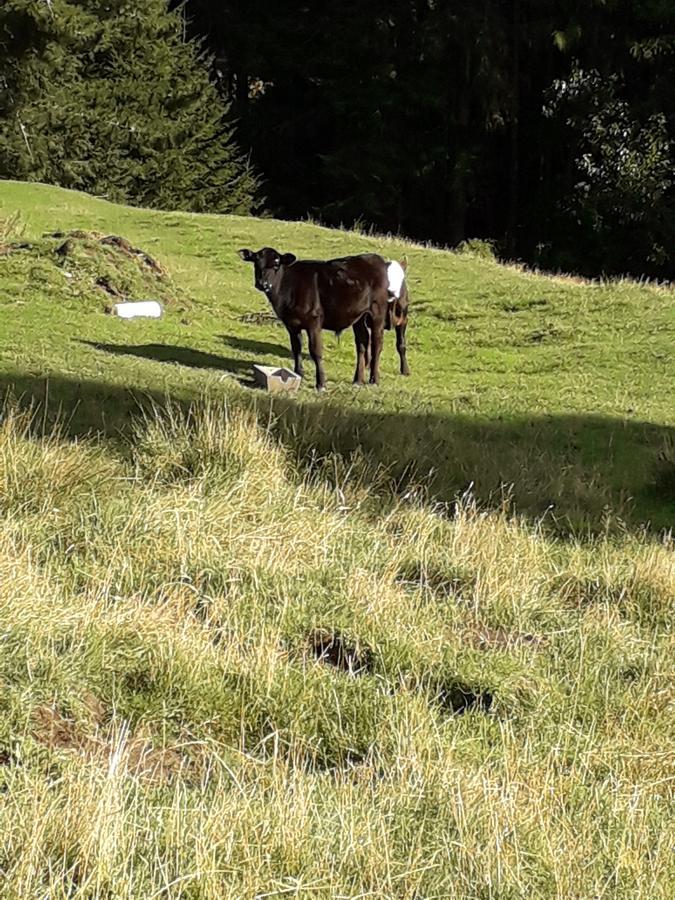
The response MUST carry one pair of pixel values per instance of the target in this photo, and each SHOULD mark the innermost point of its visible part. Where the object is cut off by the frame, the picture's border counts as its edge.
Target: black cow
(310, 295)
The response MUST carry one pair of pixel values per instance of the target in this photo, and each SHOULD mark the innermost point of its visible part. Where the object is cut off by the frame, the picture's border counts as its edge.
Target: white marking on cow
(396, 277)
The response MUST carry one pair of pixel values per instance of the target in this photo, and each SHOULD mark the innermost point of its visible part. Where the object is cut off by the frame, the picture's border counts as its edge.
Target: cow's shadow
(247, 345)
(182, 356)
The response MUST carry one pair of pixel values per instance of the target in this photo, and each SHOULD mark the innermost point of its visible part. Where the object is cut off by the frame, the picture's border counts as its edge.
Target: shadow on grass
(575, 470)
(246, 345)
(183, 356)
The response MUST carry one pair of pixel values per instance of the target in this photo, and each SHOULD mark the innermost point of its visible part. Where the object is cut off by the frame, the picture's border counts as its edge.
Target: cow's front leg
(376, 341)
(316, 352)
(361, 339)
(296, 347)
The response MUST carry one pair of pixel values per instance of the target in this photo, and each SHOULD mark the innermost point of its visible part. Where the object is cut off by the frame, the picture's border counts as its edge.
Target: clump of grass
(85, 269)
(44, 479)
(111, 266)
(481, 249)
(12, 229)
(167, 726)
(208, 444)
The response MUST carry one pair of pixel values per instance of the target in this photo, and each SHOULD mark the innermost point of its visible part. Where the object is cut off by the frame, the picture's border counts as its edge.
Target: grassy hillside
(561, 389)
(254, 652)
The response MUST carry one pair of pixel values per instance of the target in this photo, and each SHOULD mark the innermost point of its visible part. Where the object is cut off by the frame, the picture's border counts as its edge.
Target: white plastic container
(143, 308)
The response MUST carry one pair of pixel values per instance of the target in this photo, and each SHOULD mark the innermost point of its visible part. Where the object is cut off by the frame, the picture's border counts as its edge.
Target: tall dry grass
(166, 729)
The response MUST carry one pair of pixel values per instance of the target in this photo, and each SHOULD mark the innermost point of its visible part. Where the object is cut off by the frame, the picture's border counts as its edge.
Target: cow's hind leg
(316, 352)
(362, 340)
(376, 341)
(401, 347)
(296, 348)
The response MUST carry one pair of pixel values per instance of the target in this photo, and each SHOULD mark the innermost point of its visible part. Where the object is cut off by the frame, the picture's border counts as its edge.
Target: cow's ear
(246, 255)
(288, 259)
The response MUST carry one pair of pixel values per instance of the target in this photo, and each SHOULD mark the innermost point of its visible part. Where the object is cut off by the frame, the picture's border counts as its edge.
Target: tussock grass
(166, 729)
(82, 271)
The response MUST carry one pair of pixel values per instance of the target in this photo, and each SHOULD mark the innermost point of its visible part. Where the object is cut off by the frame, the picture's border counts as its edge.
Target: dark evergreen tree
(107, 96)
(427, 116)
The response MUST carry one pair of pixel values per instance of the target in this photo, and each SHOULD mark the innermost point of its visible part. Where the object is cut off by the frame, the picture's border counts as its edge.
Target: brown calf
(310, 295)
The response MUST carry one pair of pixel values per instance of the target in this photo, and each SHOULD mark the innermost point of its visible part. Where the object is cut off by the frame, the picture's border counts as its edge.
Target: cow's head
(267, 265)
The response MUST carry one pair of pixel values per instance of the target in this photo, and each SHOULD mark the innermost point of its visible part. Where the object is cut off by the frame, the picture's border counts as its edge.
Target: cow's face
(267, 265)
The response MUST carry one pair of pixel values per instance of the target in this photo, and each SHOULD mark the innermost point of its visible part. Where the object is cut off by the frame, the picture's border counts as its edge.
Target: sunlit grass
(485, 549)
(555, 391)
(165, 728)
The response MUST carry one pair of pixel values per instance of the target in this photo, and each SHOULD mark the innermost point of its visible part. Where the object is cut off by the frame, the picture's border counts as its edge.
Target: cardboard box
(276, 378)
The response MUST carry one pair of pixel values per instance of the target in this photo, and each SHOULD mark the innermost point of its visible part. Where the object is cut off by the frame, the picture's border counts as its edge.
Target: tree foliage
(447, 120)
(624, 165)
(107, 97)
(547, 126)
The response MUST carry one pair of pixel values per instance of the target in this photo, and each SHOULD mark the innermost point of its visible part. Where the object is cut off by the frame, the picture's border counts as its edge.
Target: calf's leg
(296, 347)
(361, 339)
(316, 352)
(401, 347)
(376, 341)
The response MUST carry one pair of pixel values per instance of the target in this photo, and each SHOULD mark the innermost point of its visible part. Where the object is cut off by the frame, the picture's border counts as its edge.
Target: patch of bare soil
(483, 637)
(335, 650)
(142, 758)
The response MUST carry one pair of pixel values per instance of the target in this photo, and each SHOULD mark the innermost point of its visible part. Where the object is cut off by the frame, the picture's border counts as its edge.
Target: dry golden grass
(166, 731)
